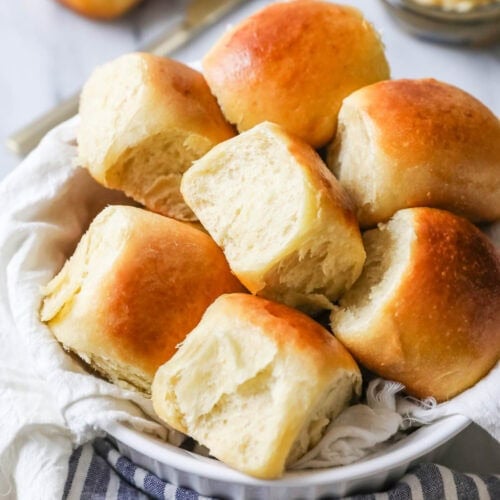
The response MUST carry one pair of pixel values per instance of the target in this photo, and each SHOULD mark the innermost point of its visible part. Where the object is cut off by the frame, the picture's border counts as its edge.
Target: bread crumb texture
(256, 382)
(144, 119)
(286, 226)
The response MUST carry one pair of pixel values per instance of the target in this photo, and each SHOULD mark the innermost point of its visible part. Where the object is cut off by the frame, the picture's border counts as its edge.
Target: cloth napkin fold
(50, 404)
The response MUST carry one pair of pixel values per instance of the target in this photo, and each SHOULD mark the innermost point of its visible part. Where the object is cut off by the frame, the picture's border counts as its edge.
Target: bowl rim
(418, 443)
(480, 14)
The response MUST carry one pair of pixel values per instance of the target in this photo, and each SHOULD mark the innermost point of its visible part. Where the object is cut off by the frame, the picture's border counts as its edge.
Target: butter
(456, 5)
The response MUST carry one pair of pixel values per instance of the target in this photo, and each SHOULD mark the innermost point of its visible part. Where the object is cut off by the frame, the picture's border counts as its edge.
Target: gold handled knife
(199, 14)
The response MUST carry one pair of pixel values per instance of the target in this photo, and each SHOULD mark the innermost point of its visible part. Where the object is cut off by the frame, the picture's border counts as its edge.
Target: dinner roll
(137, 283)
(292, 63)
(144, 119)
(408, 143)
(285, 225)
(101, 9)
(257, 383)
(426, 310)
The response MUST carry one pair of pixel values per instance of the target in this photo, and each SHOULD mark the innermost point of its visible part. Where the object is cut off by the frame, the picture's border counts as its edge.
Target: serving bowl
(54, 208)
(210, 477)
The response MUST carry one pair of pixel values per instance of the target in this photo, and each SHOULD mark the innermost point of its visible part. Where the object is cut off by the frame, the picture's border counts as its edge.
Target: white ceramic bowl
(62, 189)
(51, 210)
(212, 478)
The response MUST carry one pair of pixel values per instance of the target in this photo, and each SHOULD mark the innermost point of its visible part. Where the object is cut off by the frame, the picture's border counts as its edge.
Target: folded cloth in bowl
(49, 403)
(100, 472)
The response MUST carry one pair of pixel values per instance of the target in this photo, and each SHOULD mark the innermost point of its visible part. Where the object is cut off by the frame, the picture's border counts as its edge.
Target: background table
(47, 52)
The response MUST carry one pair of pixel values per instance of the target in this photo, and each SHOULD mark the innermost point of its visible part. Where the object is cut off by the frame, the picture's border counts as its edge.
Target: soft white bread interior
(285, 224)
(144, 119)
(292, 63)
(136, 284)
(409, 143)
(256, 382)
(426, 310)
(101, 9)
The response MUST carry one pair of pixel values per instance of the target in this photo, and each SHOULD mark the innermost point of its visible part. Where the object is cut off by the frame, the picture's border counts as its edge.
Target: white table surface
(47, 52)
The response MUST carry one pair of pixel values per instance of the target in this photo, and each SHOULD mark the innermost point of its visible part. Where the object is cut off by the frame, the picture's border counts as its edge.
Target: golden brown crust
(439, 332)
(290, 328)
(101, 9)
(431, 117)
(161, 277)
(185, 92)
(158, 293)
(292, 63)
(431, 144)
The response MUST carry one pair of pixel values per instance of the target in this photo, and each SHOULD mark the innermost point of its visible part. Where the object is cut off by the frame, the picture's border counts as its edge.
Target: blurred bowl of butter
(464, 22)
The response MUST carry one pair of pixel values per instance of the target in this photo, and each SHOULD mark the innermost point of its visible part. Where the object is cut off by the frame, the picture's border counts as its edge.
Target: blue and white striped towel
(98, 471)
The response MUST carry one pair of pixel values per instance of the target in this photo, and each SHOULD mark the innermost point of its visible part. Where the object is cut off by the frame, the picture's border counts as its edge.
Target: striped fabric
(98, 471)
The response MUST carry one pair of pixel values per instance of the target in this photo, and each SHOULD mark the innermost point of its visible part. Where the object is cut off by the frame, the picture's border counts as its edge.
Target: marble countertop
(47, 52)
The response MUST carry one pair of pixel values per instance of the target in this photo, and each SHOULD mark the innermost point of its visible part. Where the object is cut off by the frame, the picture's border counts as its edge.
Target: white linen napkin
(49, 403)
